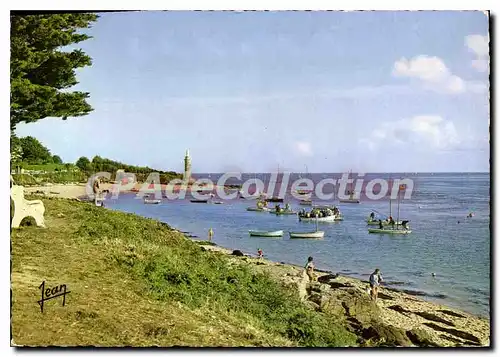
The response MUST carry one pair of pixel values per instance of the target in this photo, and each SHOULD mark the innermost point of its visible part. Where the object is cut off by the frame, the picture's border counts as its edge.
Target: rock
(384, 296)
(316, 287)
(400, 309)
(312, 305)
(359, 305)
(451, 313)
(237, 253)
(385, 335)
(470, 338)
(420, 337)
(432, 317)
(335, 285)
(325, 279)
(317, 298)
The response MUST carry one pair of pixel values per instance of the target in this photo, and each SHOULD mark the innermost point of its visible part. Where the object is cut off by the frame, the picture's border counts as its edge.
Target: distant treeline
(30, 154)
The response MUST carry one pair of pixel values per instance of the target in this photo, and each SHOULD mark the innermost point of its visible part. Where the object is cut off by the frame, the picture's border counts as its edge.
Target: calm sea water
(443, 241)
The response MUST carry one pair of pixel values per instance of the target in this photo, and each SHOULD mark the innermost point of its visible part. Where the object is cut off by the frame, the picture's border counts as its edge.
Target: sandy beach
(78, 190)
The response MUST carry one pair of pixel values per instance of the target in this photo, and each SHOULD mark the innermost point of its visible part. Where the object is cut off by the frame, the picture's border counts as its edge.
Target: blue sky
(367, 91)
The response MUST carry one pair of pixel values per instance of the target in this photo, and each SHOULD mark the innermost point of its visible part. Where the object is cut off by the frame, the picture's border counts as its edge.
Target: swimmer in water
(433, 274)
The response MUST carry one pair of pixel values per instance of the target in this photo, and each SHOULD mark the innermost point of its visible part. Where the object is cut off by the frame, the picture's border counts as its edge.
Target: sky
(257, 91)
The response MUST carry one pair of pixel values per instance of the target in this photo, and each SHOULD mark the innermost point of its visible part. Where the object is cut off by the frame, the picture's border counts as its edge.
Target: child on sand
(310, 269)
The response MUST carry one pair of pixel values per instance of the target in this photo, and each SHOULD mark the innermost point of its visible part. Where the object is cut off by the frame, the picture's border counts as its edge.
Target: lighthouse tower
(187, 167)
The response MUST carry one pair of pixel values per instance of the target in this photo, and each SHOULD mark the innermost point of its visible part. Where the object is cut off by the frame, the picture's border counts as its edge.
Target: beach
(404, 318)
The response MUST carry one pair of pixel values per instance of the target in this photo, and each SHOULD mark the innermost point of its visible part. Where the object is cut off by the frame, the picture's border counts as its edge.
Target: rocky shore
(395, 319)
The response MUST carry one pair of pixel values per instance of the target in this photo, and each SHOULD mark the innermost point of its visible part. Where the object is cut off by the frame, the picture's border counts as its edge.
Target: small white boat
(305, 202)
(316, 234)
(389, 231)
(151, 201)
(266, 233)
(258, 209)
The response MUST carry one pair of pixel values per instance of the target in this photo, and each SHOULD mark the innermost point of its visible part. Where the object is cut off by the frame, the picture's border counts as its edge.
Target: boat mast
(397, 222)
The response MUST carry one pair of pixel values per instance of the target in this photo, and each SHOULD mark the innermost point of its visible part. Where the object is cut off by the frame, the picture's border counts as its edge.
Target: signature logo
(53, 293)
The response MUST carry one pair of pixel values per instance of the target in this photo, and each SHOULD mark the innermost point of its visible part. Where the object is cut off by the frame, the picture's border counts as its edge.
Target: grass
(52, 177)
(135, 282)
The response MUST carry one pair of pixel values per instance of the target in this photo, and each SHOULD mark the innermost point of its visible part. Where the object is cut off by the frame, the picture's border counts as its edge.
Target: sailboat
(276, 199)
(316, 234)
(351, 193)
(398, 227)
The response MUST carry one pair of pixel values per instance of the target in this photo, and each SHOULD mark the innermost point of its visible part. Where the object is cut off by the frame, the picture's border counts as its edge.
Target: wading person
(310, 269)
(210, 234)
(260, 253)
(375, 280)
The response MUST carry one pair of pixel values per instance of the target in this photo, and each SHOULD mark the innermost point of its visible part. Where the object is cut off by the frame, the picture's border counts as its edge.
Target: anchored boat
(317, 234)
(389, 230)
(258, 209)
(254, 233)
(151, 201)
(396, 227)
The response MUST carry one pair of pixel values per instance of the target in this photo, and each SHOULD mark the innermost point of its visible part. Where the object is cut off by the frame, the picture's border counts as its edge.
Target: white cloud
(431, 71)
(478, 44)
(425, 131)
(480, 64)
(303, 148)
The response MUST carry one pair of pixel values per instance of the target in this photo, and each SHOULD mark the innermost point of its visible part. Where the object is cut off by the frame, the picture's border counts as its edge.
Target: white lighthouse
(187, 167)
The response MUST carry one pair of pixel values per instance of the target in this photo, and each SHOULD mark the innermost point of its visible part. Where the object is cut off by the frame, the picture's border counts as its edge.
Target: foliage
(16, 149)
(83, 163)
(34, 152)
(100, 164)
(40, 72)
(56, 159)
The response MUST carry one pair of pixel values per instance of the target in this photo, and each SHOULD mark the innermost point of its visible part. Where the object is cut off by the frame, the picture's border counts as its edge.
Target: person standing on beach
(210, 234)
(375, 280)
(95, 188)
(260, 253)
(310, 269)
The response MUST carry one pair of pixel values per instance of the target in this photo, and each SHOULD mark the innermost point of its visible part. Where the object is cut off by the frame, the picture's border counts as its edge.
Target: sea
(446, 258)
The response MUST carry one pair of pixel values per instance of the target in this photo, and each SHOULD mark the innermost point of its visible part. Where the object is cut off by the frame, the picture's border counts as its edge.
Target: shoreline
(442, 325)
(446, 326)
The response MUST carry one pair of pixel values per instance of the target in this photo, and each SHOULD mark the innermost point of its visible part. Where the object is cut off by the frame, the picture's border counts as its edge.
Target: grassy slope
(133, 281)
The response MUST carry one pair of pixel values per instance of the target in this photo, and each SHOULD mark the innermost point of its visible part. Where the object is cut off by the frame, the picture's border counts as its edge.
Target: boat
(396, 228)
(217, 202)
(283, 212)
(305, 202)
(266, 233)
(332, 218)
(317, 234)
(321, 214)
(258, 209)
(152, 201)
(199, 201)
(385, 222)
(351, 194)
(389, 231)
(274, 199)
